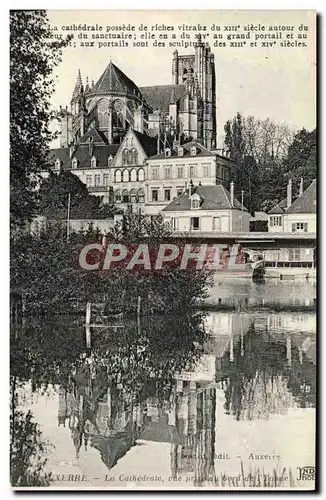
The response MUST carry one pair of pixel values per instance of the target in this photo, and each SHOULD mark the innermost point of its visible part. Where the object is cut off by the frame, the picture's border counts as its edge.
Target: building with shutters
(209, 209)
(296, 217)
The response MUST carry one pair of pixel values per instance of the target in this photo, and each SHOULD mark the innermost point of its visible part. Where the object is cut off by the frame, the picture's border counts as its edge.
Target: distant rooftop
(212, 198)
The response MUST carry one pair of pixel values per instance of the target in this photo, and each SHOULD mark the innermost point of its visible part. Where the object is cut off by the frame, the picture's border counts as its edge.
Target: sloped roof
(283, 203)
(201, 151)
(83, 156)
(59, 153)
(306, 203)
(101, 153)
(279, 208)
(160, 96)
(114, 80)
(149, 144)
(213, 198)
(96, 135)
(276, 210)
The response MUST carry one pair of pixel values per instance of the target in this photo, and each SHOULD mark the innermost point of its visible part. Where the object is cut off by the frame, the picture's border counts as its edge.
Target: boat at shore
(249, 270)
(235, 262)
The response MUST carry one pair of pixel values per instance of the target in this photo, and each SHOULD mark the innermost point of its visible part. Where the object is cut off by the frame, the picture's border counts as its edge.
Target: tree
(257, 149)
(53, 197)
(33, 58)
(301, 158)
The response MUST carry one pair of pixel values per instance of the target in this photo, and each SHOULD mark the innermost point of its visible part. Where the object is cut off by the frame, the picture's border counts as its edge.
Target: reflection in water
(159, 381)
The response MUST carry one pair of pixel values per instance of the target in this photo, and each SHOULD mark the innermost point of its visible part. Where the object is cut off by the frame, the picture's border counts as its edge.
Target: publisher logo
(306, 473)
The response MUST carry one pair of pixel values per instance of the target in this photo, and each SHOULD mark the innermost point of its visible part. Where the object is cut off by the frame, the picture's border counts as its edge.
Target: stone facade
(114, 103)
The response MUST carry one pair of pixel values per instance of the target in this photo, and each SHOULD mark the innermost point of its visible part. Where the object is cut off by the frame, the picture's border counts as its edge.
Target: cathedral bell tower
(197, 73)
(78, 109)
(205, 75)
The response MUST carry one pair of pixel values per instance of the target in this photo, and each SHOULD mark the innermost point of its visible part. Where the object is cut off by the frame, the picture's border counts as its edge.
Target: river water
(224, 398)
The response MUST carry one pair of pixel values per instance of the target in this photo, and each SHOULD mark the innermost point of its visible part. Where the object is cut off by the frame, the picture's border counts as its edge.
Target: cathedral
(185, 109)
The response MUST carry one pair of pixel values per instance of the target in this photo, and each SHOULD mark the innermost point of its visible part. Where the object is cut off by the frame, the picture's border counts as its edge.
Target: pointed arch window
(133, 175)
(133, 196)
(125, 176)
(103, 113)
(125, 196)
(125, 157)
(117, 119)
(117, 196)
(74, 163)
(141, 196)
(135, 156)
(141, 175)
(117, 176)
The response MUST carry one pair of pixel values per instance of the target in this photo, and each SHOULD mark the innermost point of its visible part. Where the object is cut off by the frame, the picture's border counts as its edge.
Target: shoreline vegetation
(47, 278)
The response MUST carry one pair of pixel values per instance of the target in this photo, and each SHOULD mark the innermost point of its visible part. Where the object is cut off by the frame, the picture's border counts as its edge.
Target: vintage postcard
(163, 250)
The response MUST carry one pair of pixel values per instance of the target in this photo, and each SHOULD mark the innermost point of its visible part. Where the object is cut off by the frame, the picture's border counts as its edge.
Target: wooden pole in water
(138, 313)
(88, 322)
(88, 336)
(231, 349)
(88, 313)
(288, 350)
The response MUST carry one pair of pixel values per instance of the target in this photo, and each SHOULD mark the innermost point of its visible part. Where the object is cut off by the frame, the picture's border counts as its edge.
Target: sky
(276, 83)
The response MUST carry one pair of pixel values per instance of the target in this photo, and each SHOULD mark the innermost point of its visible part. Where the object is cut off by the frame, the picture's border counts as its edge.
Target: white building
(133, 174)
(208, 209)
(169, 172)
(296, 217)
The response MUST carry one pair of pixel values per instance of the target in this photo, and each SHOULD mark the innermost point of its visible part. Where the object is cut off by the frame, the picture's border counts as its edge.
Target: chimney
(289, 194)
(232, 193)
(301, 186)
(191, 190)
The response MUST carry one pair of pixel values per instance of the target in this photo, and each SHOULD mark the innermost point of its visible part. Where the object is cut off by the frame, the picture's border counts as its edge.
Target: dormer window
(193, 151)
(93, 162)
(110, 159)
(195, 201)
(167, 153)
(180, 151)
(57, 165)
(74, 163)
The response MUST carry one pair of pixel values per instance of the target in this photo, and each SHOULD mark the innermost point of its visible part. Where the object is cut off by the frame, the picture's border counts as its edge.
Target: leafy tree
(258, 148)
(301, 158)
(54, 193)
(33, 58)
(53, 199)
